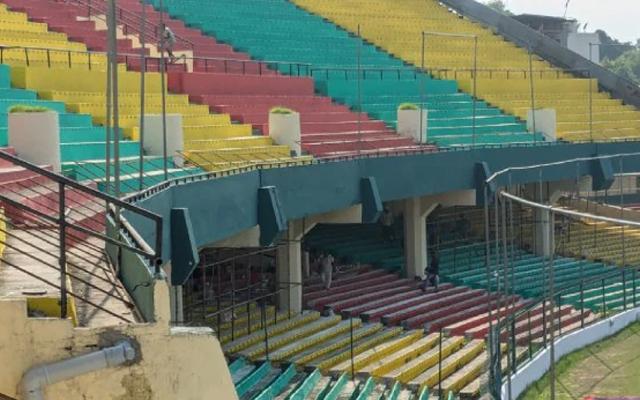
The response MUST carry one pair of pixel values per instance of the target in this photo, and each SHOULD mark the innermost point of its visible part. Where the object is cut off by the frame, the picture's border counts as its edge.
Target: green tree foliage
(612, 48)
(627, 65)
(499, 6)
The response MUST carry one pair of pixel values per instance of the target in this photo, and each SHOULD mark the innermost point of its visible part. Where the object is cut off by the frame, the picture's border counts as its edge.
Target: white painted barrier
(36, 137)
(285, 129)
(539, 365)
(154, 142)
(409, 124)
(546, 123)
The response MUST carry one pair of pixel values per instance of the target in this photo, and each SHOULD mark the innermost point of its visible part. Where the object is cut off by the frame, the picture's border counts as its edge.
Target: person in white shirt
(326, 265)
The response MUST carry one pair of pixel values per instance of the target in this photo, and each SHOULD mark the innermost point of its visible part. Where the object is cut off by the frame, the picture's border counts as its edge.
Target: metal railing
(130, 20)
(60, 224)
(180, 165)
(569, 294)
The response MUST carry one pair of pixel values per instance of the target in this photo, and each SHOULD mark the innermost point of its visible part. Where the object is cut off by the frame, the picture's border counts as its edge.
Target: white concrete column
(544, 233)
(415, 238)
(415, 212)
(289, 269)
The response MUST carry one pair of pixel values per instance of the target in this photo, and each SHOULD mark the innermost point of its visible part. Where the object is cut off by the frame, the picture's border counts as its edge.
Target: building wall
(174, 363)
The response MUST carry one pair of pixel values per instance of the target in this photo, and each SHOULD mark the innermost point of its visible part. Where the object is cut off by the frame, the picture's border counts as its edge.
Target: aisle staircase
(32, 245)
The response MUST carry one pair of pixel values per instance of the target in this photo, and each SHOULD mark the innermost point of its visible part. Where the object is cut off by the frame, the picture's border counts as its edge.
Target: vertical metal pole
(359, 63)
(62, 258)
(264, 323)
(475, 86)
(353, 371)
(163, 70)
(624, 248)
(421, 83)
(533, 98)
(590, 108)
(108, 123)
(440, 364)
(143, 68)
(552, 352)
(113, 57)
(505, 272)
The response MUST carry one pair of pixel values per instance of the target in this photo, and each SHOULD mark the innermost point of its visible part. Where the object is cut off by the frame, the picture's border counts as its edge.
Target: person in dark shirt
(432, 272)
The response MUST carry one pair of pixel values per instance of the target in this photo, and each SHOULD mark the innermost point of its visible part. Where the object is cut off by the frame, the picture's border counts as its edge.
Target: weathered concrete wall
(174, 363)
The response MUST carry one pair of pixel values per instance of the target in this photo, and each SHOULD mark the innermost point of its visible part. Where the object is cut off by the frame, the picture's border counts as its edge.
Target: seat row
(307, 45)
(503, 80)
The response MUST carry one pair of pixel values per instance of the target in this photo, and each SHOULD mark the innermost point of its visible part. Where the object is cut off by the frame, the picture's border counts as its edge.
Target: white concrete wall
(539, 365)
(579, 43)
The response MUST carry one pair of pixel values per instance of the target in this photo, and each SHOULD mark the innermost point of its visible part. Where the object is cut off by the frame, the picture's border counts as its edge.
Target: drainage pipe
(35, 379)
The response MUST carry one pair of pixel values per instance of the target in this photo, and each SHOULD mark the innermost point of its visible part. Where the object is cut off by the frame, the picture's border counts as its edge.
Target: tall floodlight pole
(143, 69)
(113, 62)
(163, 68)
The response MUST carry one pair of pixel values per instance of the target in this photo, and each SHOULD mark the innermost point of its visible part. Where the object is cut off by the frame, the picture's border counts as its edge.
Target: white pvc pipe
(35, 379)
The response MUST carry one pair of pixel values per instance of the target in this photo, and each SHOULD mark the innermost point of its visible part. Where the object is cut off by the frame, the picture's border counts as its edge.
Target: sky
(619, 18)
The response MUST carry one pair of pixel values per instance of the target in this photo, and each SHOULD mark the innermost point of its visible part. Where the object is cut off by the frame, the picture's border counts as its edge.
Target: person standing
(168, 42)
(386, 220)
(326, 264)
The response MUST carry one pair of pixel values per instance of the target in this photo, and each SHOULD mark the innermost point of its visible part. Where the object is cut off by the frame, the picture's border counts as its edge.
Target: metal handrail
(395, 153)
(114, 206)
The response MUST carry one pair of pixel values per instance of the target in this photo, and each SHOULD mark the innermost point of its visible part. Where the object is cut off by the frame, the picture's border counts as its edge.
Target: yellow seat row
(397, 26)
(64, 71)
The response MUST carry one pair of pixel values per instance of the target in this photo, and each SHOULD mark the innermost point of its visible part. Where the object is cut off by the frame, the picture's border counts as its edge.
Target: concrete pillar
(177, 305)
(415, 212)
(289, 269)
(544, 233)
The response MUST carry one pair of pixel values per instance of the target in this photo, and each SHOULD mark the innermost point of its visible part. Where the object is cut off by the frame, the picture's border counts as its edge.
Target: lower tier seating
(264, 381)
(463, 264)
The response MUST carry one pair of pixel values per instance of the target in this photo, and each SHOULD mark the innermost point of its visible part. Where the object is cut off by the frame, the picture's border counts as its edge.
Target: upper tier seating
(308, 45)
(72, 75)
(228, 82)
(397, 25)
